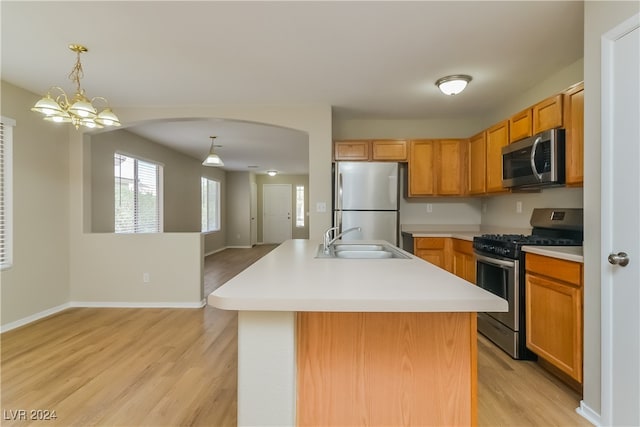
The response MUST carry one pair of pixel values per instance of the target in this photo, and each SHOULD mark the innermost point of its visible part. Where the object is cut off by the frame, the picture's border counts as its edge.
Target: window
(138, 195)
(210, 205)
(6, 192)
(299, 206)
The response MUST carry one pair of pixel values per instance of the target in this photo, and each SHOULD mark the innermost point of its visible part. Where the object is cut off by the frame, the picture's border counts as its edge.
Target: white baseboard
(98, 304)
(215, 252)
(125, 304)
(34, 317)
(589, 414)
(238, 247)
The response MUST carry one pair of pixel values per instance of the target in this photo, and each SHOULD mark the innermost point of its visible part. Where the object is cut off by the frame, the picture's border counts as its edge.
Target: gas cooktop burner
(509, 245)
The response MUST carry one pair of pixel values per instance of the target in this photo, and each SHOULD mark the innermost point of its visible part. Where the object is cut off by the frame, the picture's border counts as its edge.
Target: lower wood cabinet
(463, 260)
(454, 255)
(554, 312)
(433, 250)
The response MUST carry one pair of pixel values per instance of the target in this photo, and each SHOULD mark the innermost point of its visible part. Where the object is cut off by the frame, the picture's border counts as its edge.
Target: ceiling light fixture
(213, 159)
(79, 110)
(272, 173)
(453, 85)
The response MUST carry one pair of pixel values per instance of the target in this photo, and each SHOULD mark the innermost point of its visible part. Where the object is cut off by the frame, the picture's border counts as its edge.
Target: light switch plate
(321, 207)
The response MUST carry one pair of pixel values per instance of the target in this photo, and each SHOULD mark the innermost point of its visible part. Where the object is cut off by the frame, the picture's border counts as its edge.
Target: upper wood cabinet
(477, 170)
(554, 310)
(547, 114)
(377, 150)
(421, 168)
(574, 134)
(520, 125)
(450, 167)
(497, 137)
(351, 150)
(389, 149)
(437, 167)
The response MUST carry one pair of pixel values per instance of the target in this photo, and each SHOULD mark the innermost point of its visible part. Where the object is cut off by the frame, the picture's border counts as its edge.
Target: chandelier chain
(77, 73)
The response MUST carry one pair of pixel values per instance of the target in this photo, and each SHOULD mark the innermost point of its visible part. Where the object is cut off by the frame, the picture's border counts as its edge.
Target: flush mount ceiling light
(272, 173)
(79, 110)
(213, 159)
(453, 85)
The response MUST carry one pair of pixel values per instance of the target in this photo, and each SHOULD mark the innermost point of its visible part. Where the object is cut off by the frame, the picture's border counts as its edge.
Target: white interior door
(621, 225)
(276, 213)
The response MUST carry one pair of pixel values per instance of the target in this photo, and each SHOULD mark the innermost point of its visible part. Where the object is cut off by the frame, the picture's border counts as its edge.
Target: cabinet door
(421, 170)
(477, 164)
(351, 150)
(450, 179)
(574, 137)
(464, 262)
(520, 125)
(554, 323)
(389, 149)
(547, 114)
(431, 249)
(497, 137)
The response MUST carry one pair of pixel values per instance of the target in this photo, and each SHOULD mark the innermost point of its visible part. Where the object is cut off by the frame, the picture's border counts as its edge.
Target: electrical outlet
(321, 207)
(429, 207)
(518, 206)
(146, 278)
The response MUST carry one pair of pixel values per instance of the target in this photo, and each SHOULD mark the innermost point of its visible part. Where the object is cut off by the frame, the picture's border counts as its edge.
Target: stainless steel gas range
(500, 264)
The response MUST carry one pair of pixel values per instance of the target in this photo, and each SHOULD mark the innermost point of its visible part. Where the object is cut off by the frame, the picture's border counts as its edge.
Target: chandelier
(79, 110)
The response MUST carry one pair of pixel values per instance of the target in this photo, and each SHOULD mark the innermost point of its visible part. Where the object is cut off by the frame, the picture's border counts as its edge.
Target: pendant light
(213, 159)
(453, 85)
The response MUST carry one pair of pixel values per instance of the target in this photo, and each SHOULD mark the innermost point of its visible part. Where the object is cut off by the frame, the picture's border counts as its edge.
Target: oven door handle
(494, 261)
(534, 147)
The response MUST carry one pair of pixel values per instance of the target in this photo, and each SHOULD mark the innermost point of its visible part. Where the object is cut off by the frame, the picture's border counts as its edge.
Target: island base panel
(386, 369)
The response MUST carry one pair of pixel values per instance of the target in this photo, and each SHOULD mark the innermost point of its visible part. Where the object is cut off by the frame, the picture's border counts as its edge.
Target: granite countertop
(290, 278)
(569, 253)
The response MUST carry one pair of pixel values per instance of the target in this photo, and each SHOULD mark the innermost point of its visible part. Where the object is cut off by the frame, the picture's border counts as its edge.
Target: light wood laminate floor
(177, 367)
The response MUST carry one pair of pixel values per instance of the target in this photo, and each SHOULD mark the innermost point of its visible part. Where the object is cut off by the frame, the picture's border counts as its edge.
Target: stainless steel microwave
(537, 161)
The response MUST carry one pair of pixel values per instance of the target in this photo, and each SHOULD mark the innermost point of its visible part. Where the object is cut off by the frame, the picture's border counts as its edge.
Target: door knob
(621, 259)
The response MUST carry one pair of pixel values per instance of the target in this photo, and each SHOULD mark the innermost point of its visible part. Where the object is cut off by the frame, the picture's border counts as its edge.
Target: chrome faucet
(328, 241)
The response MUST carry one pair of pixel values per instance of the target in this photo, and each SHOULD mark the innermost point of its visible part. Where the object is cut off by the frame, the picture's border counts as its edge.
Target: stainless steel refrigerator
(365, 194)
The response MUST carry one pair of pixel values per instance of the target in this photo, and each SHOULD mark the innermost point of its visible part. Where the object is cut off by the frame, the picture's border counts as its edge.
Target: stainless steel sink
(360, 251)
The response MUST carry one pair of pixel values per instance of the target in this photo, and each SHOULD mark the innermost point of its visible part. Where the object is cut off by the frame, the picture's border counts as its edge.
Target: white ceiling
(368, 60)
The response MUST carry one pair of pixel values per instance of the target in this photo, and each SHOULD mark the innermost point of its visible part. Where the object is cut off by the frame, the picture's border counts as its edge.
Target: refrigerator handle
(339, 192)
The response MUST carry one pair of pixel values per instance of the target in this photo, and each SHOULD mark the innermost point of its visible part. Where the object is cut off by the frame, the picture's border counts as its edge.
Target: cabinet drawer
(464, 246)
(567, 271)
(429, 242)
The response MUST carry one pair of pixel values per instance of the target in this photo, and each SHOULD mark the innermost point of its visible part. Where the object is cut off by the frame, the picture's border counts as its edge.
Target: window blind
(210, 198)
(6, 192)
(137, 195)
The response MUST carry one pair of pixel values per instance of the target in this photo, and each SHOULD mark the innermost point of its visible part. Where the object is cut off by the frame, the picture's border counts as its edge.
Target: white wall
(238, 204)
(39, 278)
(600, 16)
(166, 253)
(181, 180)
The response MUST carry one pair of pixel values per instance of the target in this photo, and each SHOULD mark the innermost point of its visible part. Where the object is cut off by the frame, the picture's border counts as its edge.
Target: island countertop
(290, 278)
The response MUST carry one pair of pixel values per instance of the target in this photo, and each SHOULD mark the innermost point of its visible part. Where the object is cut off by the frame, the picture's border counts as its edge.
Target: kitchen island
(353, 341)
